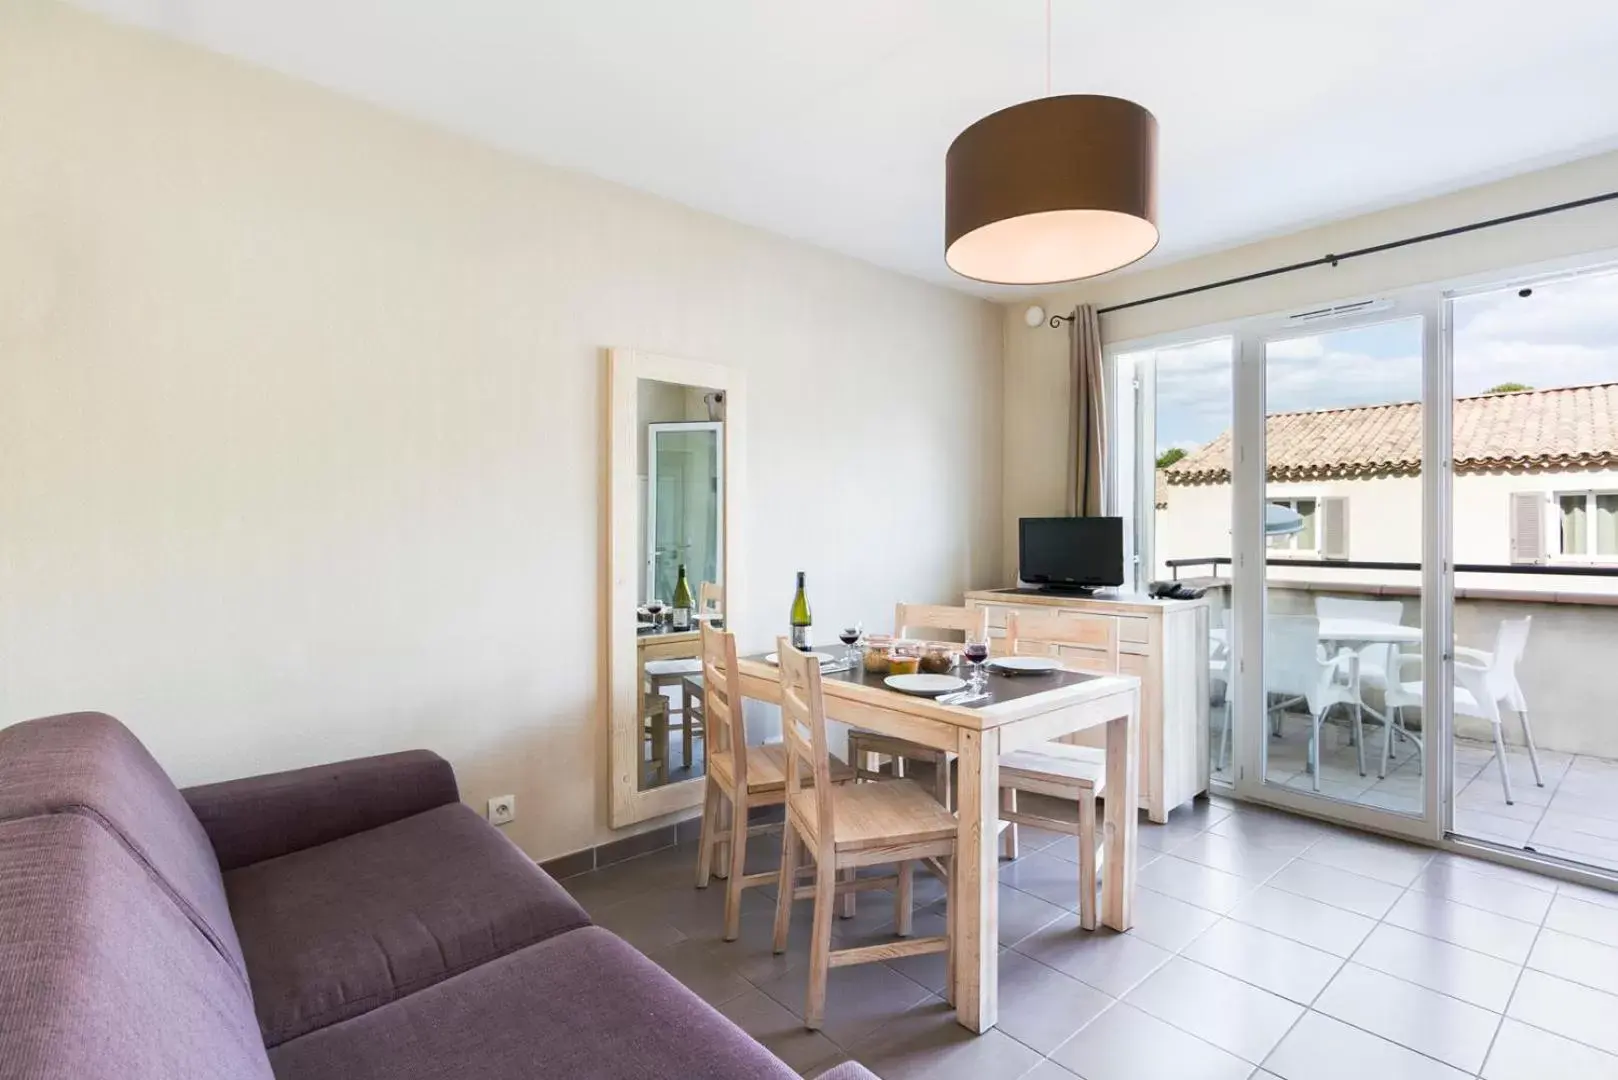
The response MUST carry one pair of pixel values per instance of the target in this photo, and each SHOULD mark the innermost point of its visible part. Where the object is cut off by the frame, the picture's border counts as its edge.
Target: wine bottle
(800, 617)
(683, 604)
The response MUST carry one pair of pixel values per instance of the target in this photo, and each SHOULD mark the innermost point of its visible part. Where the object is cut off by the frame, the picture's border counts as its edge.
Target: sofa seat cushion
(91, 765)
(101, 975)
(582, 1006)
(336, 930)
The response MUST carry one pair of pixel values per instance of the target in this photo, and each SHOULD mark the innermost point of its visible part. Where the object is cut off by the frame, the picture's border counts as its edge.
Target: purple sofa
(344, 922)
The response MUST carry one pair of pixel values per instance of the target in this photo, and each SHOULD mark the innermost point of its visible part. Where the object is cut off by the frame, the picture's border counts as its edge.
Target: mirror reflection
(680, 435)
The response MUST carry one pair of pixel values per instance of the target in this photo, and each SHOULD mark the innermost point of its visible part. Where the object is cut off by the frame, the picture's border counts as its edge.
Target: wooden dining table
(1019, 711)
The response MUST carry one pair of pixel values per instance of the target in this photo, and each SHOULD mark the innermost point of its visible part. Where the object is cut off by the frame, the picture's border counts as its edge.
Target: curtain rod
(1333, 260)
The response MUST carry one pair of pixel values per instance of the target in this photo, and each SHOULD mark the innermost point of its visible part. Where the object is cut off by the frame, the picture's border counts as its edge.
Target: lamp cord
(1047, 48)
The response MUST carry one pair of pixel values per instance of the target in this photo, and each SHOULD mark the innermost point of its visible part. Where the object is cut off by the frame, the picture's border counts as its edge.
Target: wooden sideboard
(1165, 643)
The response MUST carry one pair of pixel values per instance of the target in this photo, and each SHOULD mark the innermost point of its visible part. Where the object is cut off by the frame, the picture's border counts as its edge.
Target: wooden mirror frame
(623, 570)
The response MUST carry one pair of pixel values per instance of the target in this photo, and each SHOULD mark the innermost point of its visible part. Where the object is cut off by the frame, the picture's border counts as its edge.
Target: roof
(1565, 428)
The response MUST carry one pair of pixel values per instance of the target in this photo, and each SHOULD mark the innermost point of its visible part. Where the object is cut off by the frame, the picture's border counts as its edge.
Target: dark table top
(1000, 688)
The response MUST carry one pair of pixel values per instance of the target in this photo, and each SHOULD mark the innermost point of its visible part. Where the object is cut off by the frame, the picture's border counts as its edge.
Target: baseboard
(632, 847)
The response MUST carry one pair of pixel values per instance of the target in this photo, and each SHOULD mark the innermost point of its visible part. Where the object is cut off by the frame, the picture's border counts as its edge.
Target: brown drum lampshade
(1051, 190)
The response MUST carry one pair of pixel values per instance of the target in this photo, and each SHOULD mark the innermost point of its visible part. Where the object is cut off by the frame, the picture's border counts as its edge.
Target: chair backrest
(722, 699)
(710, 598)
(1291, 661)
(1085, 641)
(1510, 643)
(971, 622)
(803, 730)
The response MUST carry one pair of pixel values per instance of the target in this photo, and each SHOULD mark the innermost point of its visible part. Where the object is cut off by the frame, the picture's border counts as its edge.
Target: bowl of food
(938, 658)
(903, 662)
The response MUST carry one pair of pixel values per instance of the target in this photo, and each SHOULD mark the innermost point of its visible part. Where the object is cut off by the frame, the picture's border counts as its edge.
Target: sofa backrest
(101, 974)
(90, 765)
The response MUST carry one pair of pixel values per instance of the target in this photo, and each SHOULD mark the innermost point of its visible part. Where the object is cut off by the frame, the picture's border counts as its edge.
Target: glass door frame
(1249, 478)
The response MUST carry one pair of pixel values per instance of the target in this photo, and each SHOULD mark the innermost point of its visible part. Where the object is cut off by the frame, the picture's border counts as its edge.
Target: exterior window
(1589, 523)
(1304, 540)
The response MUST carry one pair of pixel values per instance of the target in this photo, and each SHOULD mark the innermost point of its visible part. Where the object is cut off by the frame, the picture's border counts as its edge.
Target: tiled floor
(1266, 946)
(1573, 816)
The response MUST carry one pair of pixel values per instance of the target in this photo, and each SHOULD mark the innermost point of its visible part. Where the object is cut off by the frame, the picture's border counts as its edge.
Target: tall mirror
(672, 480)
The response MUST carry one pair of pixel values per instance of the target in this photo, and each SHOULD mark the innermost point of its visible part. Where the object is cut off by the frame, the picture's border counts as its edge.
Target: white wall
(1036, 379)
(301, 421)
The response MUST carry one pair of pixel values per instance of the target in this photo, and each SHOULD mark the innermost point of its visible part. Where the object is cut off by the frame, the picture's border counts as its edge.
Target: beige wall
(300, 435)
(1035, 359)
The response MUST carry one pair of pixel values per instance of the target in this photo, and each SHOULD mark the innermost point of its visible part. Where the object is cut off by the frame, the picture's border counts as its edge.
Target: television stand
(1083, 592)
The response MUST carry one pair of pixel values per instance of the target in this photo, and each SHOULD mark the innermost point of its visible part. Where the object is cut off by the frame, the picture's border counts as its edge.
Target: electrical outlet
(502, 809)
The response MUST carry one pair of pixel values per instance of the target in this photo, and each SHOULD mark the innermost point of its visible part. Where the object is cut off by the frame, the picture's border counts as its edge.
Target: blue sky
(1565, 334)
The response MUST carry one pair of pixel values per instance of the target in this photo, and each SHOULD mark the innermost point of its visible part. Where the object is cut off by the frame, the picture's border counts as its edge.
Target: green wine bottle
(800, 617)
(683, 603)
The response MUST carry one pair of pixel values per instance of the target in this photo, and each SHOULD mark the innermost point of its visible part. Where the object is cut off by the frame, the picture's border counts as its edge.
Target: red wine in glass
(975, 653)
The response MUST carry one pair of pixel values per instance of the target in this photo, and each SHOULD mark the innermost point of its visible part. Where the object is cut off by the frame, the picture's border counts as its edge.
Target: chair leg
(1314, 745)
(1387, 742)
(949, 929)
(1224, 737)
(904, 898)
(1087, 861)
(941, 779)
(738, 866)
(1359, 735)
(1500, 756)
(850, 898)
(785, 886)
(814, 1007)
(710, 830)
(1533, 751)
(898, 767)
(1008, 839)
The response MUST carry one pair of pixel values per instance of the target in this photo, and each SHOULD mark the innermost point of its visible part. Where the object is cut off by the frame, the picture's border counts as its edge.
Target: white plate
(928, 685)
(824, 658)
(1024, 665)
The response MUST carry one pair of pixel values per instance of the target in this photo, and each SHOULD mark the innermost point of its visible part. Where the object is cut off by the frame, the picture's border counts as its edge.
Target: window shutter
(1333, 527)
(1528, 527)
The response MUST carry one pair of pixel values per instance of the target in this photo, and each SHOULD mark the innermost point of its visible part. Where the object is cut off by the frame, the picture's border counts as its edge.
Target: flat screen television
(1074, 554)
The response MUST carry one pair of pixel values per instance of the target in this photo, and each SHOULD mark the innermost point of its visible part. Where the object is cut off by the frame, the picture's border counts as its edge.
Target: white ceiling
(827, 120)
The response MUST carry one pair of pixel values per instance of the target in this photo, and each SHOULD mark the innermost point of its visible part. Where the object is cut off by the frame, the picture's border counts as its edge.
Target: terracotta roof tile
(1574, 426)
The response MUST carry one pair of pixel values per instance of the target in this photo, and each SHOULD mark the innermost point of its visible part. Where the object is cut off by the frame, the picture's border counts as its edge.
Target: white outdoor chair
(1219, 676)
(1294, 669)
(1376, 658)
(1482, 681)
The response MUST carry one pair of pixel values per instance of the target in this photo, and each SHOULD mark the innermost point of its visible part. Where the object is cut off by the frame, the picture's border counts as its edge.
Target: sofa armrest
(261, 817)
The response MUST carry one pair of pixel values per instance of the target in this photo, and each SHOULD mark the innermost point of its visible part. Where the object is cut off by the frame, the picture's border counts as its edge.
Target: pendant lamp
(1051, 190)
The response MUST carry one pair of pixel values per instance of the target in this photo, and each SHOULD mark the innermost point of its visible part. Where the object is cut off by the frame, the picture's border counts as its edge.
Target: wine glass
(975, 653)
(850, 637)
(654, 608)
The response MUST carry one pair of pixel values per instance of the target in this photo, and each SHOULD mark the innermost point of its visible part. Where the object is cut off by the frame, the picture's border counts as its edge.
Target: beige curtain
(1087, 415)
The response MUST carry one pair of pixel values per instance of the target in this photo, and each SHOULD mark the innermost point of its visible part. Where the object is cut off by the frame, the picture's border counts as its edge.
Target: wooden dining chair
(1055, 769)
(740, 777)
(864, 747)
(841, 827)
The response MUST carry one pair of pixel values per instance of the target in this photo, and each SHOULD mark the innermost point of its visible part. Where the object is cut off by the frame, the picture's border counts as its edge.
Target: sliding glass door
(1341, 533)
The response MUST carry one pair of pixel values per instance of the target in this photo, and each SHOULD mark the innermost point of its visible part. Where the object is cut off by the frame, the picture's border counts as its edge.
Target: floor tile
(859, 999)
(1588, 893)
(1576, 960)
(1527, 1053)
(1269, 827)
(1124, 1043)
(1023, 913)
(1111, 962)
(1235, 855)
(1480, 867)
(694, 964)
(782, 1033)
(1195, 884)
(1339, 888)
(1320, 1048)
(1040, 1007)
(1583, 919)
(1487, 826)
(1053, 880)
(927, 1042)
(1490, 893)
(639, 926)
(1232, 1015)
(1468, 927)
(1266, 960)
(1568, 1009)
(1168, 923)
(1050, 1070)
(1383, 860)
(1473, 977)
(1413, 1016)
(1303, 920)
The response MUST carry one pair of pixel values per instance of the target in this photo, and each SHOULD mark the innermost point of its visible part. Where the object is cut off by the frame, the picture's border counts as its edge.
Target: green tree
(1508, 388)
(1169, 457)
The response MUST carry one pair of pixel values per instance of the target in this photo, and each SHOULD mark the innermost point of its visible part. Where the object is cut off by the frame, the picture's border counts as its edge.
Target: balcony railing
(1548, 569)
